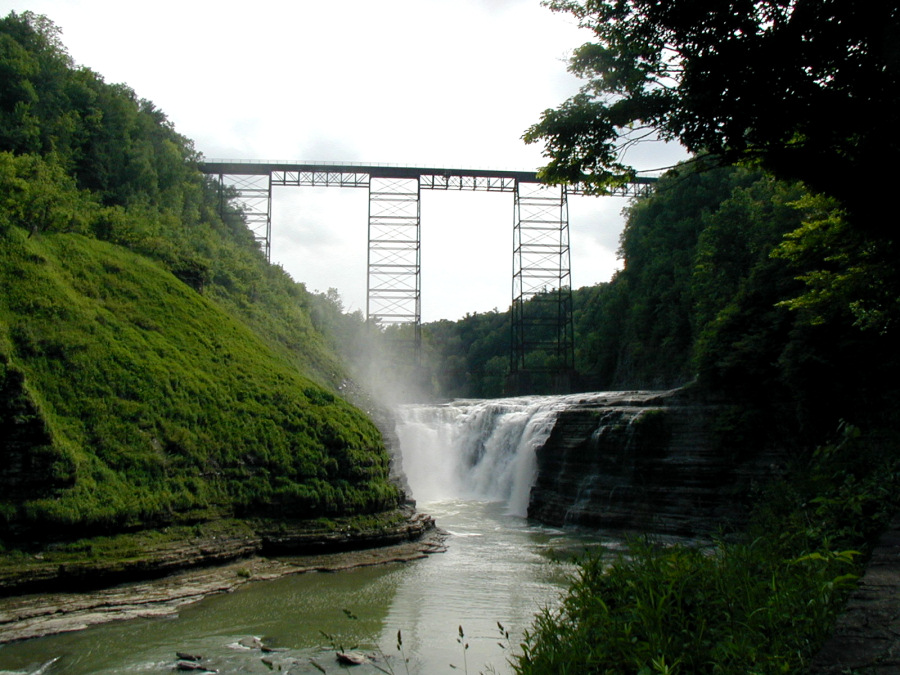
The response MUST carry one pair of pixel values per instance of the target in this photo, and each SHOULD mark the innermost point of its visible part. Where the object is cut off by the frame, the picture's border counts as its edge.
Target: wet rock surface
(50, 568)
(646, 462)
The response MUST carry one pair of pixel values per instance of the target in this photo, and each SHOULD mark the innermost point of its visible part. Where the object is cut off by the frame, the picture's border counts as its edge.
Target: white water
(480, 450)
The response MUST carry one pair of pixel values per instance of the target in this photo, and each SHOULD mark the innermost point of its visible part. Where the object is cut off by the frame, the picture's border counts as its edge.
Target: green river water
(497, 568)
(470, 464)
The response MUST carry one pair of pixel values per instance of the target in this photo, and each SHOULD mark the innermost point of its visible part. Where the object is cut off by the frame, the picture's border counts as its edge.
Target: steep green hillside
(78, 154)
(131, 400)
(154, 368)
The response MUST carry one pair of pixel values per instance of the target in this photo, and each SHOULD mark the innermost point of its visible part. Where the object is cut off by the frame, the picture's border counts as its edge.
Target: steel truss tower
(253, 193)
(543, 335)
(394, 294)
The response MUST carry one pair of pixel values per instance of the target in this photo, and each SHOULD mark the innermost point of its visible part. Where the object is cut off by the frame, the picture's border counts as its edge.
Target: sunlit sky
(438, 83)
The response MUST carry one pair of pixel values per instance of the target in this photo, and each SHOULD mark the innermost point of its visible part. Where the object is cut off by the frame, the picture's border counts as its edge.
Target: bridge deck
(263, 167)
(443, 175)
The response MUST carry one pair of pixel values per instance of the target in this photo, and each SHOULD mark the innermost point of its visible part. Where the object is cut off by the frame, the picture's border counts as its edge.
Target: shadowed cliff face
(646, 461)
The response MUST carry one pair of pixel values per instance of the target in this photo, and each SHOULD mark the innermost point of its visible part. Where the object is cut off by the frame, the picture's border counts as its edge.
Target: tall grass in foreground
(763, 604)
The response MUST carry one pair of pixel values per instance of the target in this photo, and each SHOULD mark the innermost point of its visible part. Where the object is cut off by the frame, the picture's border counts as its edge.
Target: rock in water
(351, 658)
(251, 643)
(184, 656)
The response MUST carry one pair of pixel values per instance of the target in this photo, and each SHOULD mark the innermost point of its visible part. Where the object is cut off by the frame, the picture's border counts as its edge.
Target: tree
(807, 88)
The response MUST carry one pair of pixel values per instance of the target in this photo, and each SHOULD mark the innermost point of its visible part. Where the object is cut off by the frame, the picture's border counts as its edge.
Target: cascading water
(620, 460)
(476, 449)
(474, 464)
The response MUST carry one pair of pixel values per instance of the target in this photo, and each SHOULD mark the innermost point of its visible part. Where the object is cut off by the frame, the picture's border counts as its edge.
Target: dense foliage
(153, 367)
(153, 400)
(807, 90)
(810, 88)
(779, 297)
(760, 604)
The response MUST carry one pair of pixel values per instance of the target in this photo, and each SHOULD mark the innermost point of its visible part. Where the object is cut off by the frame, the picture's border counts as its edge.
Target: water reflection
(287, 614)
(495, 570)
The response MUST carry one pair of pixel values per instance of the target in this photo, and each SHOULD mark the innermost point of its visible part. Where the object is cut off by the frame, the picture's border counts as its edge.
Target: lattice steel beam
(639, 187)
(320, 178)
(454, 181)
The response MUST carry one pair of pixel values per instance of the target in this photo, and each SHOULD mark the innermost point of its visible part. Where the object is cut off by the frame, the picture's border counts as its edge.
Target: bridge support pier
(542, 330)
(253, 193)
(394, 291)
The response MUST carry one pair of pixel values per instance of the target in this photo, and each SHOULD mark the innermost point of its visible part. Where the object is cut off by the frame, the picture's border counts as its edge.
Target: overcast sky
(438, 83)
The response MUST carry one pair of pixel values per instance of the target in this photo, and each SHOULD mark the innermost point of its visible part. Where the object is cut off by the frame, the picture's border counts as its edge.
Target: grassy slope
(131, 400)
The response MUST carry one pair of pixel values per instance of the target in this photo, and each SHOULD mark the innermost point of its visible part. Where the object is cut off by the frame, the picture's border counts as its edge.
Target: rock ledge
(70, 590)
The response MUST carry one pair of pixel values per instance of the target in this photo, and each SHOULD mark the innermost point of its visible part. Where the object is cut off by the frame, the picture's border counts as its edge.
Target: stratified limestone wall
(648, 462)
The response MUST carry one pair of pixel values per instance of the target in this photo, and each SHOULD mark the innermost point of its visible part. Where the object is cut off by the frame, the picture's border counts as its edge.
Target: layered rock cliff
(646, 461)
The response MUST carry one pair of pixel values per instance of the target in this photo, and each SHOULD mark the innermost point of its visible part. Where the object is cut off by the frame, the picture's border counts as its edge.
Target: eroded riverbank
(37, 615)
(497, 568)
(102, 562)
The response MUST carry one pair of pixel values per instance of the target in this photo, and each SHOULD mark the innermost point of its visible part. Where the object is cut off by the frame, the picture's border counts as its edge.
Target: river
(469, 465)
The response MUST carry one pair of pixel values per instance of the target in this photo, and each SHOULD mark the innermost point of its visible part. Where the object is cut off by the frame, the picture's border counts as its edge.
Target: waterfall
(476, 449)
(649, 461)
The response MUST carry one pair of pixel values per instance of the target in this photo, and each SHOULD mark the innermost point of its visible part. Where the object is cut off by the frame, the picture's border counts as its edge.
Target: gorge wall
(646, 461)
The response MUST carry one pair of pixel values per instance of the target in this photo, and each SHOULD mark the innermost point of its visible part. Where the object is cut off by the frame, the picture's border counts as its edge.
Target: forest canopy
(765, 268)
(809, 89)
